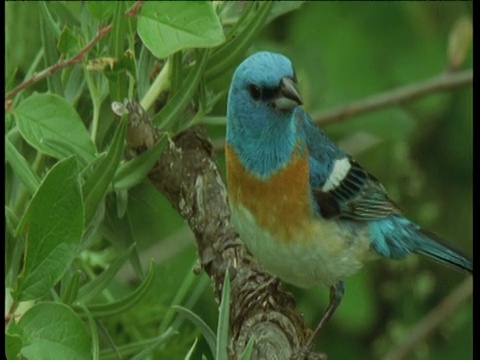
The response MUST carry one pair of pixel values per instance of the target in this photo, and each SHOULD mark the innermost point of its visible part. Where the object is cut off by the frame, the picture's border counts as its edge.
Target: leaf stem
(161, 82)
(95, 119)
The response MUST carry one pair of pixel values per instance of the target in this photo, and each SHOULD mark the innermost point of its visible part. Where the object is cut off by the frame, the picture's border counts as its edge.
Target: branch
(188, 176)
(135, 9)
(59, 65)
(442, 82)
(432, 321)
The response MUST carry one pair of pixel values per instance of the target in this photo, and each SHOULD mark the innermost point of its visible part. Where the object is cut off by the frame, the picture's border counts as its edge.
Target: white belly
(323, 256)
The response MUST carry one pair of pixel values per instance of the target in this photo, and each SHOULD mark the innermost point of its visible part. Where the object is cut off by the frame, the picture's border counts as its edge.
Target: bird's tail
(434, 247)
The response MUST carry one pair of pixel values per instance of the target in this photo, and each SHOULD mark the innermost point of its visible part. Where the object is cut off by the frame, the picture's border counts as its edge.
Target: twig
(135, 9)
(432, 321)
(59, 65)
(10, 313)
(442, 82)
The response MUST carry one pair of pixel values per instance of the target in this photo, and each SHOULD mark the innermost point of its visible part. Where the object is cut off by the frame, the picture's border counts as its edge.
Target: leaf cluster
(73, 189)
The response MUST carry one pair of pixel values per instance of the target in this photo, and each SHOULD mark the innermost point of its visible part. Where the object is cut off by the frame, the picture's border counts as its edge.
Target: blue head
(261, 104)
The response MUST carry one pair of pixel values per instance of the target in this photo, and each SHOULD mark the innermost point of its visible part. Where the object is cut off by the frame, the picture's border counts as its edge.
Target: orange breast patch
(281, 205)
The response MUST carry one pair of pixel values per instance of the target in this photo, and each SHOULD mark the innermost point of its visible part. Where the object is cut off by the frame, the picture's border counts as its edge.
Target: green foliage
(206, 331)
(52, 126)
(83, 222)
(223, 321)
(166, 28)
(52, 330)
(76, 206)
(131, 173)
(53, 224)
(97, 183)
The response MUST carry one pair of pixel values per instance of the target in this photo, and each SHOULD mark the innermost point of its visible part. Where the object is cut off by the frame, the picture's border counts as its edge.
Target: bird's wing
(341, 187)
(352, 193)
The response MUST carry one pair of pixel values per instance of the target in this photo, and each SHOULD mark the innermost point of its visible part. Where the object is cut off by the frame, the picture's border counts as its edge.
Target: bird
(308, 211)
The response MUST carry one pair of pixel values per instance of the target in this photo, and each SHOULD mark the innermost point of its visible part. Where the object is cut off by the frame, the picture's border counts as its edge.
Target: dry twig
(444, 81)
(102, 31)
(432, 321)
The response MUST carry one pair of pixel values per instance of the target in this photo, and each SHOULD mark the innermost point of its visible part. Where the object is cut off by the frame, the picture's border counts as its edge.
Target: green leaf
(133, 172)
(13, 345)
(54, 331)
(135, 347)
(21, 167)
(167, 27)
(119, 230)
(96, 185)
(118, 307)
(75, 84)
(183, 289)
(248, 350)
(91, 290)
(51, 25)
(124, 63)
(228, 55)
(147, 351)
(66, 13)
(13, 258)
(69, 289)
(54, 226)
(121, 197)
(101, 10)
(68, 42)
(119, 30)
(93, 332)
(48, 117)
(49, 36)
(192, 349)
(170, 114)
(146, 61)
(223, 320)
(117, 79)
(207, 333)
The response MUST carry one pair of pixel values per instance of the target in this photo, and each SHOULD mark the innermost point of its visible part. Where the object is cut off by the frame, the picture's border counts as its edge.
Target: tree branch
(102, 31)
(444, 81)
(188, 176)
(432, 321)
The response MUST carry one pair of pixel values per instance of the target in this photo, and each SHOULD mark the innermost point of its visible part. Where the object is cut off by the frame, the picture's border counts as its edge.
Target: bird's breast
(281, 203)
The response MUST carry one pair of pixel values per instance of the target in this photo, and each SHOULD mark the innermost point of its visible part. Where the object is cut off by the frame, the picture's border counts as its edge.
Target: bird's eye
(255, 92)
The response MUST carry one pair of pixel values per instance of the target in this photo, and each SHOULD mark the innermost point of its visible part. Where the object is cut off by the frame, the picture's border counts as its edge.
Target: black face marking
(264, 93)
(270, 93)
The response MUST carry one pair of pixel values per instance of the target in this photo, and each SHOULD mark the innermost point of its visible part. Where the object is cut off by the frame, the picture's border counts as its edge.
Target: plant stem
(161, 82)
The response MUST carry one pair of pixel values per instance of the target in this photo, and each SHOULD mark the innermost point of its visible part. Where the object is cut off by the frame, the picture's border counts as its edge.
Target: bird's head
(263, 92)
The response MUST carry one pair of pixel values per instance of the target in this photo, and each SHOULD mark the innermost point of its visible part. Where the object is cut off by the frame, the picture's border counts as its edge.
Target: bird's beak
(289, 96)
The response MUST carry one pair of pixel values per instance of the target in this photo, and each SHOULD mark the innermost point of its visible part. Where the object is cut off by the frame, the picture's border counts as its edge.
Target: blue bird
(307, 211)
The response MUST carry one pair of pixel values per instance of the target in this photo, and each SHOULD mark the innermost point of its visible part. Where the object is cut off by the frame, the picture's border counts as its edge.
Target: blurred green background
(346, 51)
(421, 151)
